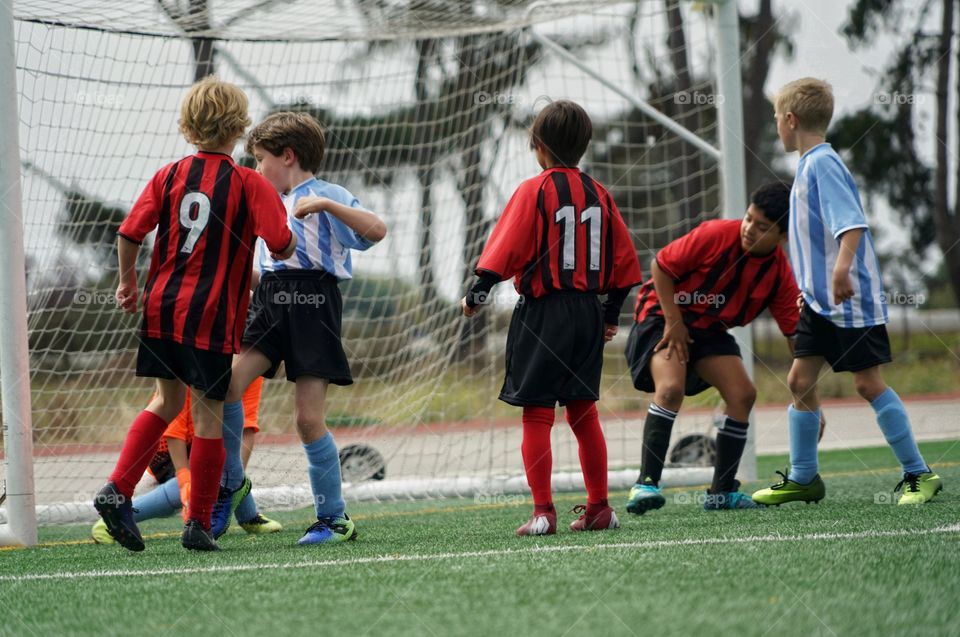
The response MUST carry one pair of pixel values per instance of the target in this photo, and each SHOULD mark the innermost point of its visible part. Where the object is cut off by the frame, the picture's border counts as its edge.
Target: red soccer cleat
(600, 519)
(540, 523)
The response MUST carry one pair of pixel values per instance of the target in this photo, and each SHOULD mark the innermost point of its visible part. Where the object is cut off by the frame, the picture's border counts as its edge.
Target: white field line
(380, 559)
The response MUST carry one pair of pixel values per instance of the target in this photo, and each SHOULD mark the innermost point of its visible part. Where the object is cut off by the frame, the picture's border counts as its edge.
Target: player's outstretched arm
(364, 223)
(127, 289)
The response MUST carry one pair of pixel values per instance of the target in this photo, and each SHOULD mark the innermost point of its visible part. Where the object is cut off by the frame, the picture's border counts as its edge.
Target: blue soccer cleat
(329, 531)
(226, 506)
(729, 500)
(644, 497)
(117, 513)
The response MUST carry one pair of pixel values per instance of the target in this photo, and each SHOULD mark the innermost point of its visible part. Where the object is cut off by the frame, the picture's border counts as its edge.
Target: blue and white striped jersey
(825, 203)
(323, 241)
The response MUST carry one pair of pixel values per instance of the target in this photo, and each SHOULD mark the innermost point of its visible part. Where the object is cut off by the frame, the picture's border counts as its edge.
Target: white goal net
(425, 104)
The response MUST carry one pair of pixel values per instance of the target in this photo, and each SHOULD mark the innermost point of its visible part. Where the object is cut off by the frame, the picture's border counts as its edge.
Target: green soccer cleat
(920, 487)
(261, 525)
(789, 491)
(644, 497)
(100, 534)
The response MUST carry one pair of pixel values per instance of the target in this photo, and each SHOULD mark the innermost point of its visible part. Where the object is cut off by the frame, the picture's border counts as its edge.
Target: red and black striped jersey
(208, 212)
(561, 231)
(718, 285)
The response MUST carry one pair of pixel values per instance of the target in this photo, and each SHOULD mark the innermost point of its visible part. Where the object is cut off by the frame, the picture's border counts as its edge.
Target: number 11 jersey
(561, 230)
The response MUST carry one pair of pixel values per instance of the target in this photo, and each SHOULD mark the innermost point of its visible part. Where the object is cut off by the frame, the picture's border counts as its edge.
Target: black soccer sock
(731, 440)
(656, 440)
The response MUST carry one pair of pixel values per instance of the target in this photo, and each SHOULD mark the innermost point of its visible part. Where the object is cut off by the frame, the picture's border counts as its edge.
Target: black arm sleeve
(613, 304)
(478, 293)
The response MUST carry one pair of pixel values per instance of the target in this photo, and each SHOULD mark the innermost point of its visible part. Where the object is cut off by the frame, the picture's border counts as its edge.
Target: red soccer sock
(139, 448)
(207, 456)
(537, 455)
(583, 419)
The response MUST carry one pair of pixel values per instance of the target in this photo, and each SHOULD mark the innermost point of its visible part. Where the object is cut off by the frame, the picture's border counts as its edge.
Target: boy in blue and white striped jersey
(297, 309)
(844, 310)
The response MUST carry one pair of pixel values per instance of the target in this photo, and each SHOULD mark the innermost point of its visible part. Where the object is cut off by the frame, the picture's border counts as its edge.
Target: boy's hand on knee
(675, 339)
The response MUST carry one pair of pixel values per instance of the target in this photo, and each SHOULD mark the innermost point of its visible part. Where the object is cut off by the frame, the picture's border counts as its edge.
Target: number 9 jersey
(208, 212)
(561, 231)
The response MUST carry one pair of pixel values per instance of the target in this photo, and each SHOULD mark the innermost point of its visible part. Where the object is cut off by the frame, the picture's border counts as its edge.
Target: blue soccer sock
(895, 425)
(247, 509)
(804, 432)
(232, 442)
(159, 503)
(324, 469)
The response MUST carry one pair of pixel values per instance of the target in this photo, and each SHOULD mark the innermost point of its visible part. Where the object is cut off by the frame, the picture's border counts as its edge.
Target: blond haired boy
(844, 311)
(208, 212)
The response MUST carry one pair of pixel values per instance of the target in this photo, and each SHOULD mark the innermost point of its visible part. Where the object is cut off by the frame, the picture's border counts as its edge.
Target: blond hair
(213, 113)
(299, 132)
(810, 99)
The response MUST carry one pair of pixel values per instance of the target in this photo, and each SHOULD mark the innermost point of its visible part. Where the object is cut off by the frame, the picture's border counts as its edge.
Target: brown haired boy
(297, 307)
(563, 241)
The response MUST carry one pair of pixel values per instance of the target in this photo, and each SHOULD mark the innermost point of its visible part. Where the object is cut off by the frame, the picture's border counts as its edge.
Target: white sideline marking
(654, 544)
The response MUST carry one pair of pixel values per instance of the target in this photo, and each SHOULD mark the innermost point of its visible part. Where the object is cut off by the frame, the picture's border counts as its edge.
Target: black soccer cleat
(197, 538)
(117, 513)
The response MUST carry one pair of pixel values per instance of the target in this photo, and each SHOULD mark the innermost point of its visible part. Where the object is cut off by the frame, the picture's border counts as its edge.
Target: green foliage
(867, 17)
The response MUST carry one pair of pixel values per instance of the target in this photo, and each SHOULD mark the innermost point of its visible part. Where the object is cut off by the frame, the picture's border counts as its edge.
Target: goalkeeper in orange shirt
(170, 467)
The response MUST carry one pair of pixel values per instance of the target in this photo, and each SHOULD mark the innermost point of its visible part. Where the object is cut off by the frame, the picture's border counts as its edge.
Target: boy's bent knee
(669, 396)
(742, 398)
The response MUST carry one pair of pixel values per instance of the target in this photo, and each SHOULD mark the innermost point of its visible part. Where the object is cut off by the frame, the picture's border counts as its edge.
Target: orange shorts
(182, 426)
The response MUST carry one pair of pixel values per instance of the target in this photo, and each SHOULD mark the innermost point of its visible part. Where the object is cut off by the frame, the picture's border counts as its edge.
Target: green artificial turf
(851, 565)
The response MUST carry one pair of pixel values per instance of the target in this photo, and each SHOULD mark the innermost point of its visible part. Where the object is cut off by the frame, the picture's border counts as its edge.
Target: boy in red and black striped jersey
(208, 212)
(723, 274)
(563, 241)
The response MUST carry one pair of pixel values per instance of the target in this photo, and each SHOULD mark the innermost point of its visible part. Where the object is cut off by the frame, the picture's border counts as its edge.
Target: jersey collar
(827, 144)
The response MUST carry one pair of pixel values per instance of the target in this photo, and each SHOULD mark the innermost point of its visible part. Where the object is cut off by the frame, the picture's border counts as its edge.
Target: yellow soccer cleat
(99, 533)
(260, 525)
(919, 487)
